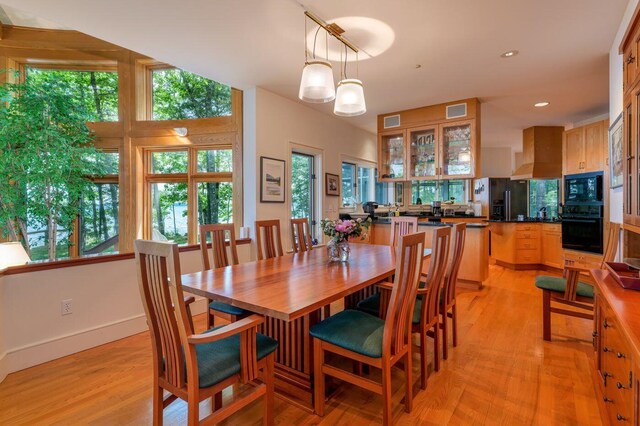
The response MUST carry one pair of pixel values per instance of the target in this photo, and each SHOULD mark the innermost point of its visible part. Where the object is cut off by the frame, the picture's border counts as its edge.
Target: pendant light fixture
(350, 94)
(316, 84)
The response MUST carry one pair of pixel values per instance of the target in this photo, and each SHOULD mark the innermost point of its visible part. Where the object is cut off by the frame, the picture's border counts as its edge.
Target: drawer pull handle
(605, 399)
(620, 355)
(620, 386)
(606, 349)
(605, 324)
(621, 418)
(594, 334)
(630, 59)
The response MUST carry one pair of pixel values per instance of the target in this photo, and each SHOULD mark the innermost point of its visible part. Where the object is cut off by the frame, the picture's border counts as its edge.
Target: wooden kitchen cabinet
(552, 254)
(438, 142)
(584, 148)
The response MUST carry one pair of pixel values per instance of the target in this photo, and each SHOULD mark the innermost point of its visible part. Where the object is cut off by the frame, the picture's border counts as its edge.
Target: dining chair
(402, 225)
(569, 290)
(368, 300)
(194, 367)
(219, 234)
(300, 235)
(272, 239)
(370, 340)
(448, 307)
(426, 313)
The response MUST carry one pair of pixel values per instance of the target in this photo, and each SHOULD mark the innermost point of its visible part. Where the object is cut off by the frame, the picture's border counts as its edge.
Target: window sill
(92, 259)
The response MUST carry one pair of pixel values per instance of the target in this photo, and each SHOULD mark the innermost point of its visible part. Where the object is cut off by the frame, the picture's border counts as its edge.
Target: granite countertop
(386, 221)
(552, 221)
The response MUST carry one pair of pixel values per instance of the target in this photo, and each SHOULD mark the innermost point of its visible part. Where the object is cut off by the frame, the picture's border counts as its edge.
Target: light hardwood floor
(502, 372)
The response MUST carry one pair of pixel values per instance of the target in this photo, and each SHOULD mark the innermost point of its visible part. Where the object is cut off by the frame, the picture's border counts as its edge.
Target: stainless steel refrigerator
(507, 198)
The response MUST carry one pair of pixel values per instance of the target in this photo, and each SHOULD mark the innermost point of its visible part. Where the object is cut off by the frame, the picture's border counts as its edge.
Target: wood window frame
(192, 178)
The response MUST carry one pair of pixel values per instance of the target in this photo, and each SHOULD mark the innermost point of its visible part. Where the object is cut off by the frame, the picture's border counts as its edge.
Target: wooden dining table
(290, 291)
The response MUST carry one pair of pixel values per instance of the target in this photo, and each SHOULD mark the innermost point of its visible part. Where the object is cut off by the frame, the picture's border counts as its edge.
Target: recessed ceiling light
(541, 104)
(509, 54)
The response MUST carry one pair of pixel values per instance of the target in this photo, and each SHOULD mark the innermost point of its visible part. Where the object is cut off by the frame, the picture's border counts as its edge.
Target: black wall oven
(582, 218)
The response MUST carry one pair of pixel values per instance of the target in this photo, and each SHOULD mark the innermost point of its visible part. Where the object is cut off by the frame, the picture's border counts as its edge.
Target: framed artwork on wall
(272, 180)
(332, 184)
(615, 153)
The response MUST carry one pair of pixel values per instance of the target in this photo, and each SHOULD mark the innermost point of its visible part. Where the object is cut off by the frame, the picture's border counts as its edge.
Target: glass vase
(338, 251)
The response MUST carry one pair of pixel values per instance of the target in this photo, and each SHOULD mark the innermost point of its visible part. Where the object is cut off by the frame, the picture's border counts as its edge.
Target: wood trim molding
(89, 260)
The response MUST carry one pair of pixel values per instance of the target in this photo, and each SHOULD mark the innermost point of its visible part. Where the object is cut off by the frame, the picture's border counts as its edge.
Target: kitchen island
(474, 269)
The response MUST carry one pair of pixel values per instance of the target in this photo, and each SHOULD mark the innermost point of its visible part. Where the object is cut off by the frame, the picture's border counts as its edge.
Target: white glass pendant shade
(350, 98)
(316, 85)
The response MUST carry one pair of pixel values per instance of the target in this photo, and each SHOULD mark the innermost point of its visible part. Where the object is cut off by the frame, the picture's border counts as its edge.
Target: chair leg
(158, 399)
(546, 315)
(267, 418)
(193, 412)
(357, 368)
(436, 347)
(423, 359)
(454, 323)
(386, 395)
(318, 377)
(327, 311)
(408, 397)
(445, 335)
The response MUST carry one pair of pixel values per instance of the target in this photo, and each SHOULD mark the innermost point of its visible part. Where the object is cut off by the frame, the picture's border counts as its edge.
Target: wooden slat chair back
(429, 318)
(223, 253)
(402, 225)
(409, 259)
(394, 341)
(448, 308)
(175, 361)
(268, 239)
(300, 235)
(569, 290)
(220, 234)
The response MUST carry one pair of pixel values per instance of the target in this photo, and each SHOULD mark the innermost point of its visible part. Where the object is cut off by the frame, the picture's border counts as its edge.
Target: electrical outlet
(67, 307)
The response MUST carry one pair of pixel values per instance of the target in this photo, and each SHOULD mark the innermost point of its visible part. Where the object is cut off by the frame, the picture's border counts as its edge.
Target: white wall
(616, 100)
(497, 161)
(106, 307)
(279, 122)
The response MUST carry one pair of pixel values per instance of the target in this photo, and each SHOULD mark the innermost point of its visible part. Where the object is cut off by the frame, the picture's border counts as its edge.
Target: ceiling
(563, 46)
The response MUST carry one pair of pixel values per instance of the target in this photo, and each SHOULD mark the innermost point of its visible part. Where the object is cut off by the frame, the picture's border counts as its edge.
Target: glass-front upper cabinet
(392, 155)
(423, 153)
(457, 149)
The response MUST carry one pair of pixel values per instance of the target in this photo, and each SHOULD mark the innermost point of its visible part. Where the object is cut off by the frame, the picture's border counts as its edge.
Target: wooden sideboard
(616, 342)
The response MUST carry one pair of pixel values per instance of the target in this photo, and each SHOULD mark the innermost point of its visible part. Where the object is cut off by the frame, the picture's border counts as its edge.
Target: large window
(99, 223)
(426, 191)
(303, 188)
(544, 193)
(180, 95)
(187, 188)
(358, 183)
(94, 92)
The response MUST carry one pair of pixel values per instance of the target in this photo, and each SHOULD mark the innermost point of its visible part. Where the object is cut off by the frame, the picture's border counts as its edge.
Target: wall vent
(456, 111)
(392, 121)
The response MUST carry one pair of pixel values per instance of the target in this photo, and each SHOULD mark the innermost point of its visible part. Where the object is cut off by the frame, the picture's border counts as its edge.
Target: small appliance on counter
(436, 208)
(370, 208)
(542, 213)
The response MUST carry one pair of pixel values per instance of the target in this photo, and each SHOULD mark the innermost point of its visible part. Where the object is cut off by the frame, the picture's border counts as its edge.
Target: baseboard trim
(36, 353)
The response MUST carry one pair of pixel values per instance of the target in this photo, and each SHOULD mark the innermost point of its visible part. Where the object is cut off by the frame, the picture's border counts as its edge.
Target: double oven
(583, 211)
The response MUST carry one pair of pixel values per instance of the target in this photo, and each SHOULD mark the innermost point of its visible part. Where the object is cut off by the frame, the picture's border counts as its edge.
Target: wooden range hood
(541, 153)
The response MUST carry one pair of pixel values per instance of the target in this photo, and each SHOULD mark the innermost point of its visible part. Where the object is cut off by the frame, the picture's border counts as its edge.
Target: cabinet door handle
(621, 418)
(605, 324)
(606, 349)
(620, 385)
(620, 355)
(630, 59)
(606, 399)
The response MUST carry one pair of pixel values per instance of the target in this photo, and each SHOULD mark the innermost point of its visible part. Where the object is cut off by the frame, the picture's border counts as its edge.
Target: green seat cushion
(221, 359)
(227, 309)
(558, 285)
(353, 330)
(370, 305)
